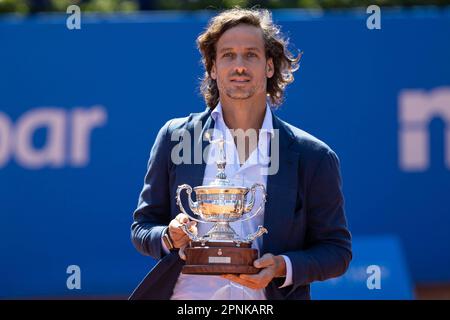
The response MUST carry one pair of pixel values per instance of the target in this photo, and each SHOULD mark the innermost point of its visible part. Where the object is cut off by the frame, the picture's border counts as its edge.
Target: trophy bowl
(215, 204)
(221, 205)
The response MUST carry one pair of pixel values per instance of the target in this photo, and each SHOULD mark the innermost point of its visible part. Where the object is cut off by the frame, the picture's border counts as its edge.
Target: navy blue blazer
(304, 212)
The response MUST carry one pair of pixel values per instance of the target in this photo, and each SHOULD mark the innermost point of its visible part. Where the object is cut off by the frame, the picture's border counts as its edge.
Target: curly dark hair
(285, 64)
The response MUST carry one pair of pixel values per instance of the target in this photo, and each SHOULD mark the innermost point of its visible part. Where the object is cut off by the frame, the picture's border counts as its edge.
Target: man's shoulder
(187, 122)
(304, 142)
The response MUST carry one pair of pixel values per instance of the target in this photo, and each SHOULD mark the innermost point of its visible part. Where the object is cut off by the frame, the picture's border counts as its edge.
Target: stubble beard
(242, 93)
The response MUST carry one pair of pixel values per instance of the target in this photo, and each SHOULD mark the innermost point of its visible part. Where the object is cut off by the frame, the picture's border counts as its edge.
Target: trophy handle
(192, 205)
(261, 230)
(251, 202)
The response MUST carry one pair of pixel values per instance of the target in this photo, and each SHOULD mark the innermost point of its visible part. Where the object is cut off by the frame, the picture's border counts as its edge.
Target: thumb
(264, 262)
(184, 219)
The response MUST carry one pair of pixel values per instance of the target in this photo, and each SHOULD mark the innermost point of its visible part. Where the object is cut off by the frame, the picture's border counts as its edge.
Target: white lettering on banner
(52, 153)
(83, 122)
(63, 127)
(374, 20)
(73, 21)
(5, 133)
(74, 280)
(416, 109)
(374, 279)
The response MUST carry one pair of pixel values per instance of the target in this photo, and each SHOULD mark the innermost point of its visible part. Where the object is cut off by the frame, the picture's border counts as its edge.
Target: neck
(243, 114)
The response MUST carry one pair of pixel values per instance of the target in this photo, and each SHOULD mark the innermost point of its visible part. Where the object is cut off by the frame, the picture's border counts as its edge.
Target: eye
(251, 54)
(228, 55)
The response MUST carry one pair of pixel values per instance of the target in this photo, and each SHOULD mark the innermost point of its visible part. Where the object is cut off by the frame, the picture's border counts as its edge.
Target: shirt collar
(267, 124)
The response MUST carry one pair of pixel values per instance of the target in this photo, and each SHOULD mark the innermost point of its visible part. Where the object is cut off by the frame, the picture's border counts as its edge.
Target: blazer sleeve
(152, 214)
(328, 240)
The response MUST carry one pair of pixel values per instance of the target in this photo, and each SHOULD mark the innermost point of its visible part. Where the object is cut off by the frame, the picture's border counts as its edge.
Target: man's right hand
(178, 236)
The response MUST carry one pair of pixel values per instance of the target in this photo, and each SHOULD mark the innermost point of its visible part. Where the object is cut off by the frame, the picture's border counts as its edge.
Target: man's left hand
(271, 267)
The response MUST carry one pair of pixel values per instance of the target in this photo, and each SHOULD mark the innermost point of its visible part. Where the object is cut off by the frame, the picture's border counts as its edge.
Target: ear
(213, 73)
(270, 70)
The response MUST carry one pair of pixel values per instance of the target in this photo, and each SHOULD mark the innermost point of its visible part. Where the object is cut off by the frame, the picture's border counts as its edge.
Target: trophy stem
(221, 231)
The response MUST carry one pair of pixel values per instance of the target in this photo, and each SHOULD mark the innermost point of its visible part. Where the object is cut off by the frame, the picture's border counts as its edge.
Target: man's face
(240, 68)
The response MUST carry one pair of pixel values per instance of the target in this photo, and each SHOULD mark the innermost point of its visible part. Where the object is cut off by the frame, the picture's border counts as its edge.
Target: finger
(264, 276)
(193, 223)
(174, 226)
(265, 261)
(181, 253)
(181, 244)
(177, 241)
(178, 230)
(258, 281)
(241, 281)
(177, 234)
(232, 277)
(251, 277)
(181, 241)
(177, 225)
(182, 218)
(192, 226)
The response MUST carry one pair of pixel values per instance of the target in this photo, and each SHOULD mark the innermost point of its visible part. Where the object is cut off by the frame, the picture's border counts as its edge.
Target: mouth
(239, 80)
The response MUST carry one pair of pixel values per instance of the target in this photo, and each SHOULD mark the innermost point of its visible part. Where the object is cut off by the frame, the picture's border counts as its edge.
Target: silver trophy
(221, 202)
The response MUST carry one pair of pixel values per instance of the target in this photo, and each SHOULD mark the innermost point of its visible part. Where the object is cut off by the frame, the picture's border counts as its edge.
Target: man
(247, 66)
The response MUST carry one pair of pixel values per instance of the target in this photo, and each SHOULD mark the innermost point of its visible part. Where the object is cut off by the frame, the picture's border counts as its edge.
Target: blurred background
(84, 90)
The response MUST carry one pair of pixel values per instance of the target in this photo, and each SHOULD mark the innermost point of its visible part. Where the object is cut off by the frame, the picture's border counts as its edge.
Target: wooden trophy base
(215, 258)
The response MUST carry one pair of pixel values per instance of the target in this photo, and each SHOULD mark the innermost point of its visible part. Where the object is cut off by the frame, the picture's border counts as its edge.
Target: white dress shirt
(204, 287)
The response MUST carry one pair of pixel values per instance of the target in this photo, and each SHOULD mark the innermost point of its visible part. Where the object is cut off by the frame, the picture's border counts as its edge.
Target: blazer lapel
(197, 169)
(281, 191)
(192, 173)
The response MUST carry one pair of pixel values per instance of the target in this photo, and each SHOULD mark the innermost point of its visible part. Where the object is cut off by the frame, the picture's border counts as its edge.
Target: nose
(240, 67)
(240, 70)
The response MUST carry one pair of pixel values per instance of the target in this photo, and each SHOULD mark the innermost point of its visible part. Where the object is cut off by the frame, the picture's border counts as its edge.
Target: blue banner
(80, 109)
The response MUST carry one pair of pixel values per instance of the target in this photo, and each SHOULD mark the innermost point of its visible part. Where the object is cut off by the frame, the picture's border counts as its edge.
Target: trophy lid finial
(221, 162)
